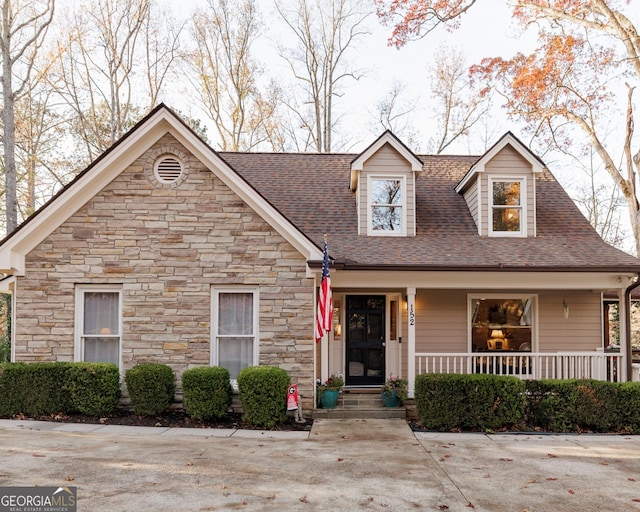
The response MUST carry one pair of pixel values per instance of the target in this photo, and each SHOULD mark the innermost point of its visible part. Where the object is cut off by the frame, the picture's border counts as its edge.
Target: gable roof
(508, 139)
(312, 191)
(386, 138)
(160, 121)
(304, 196)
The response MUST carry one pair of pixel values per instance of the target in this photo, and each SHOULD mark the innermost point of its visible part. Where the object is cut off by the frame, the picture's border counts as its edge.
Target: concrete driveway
(341, 465)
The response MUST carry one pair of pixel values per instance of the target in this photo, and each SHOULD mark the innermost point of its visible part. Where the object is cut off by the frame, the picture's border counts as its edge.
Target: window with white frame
(502, 323)
(234, 329)
(98, 324)
(387, 206)
(506, 212)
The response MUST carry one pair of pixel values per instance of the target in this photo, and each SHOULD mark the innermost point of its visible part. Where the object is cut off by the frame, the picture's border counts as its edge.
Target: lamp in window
(565, 308)
(497, 333)
(498, 341)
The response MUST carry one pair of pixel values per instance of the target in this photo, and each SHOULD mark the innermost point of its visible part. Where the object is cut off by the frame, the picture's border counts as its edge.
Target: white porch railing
(551, 365)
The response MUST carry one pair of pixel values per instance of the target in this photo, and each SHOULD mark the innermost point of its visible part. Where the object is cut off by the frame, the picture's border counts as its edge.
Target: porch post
(411, 330)
(625, 335)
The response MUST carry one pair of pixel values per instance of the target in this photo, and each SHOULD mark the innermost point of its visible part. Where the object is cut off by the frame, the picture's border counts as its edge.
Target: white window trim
(78, 350)
(523, 206)
(506, 295)
(215, 293)
(403, 205)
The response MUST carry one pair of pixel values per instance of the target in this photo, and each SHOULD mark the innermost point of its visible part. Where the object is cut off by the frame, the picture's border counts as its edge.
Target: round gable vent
(168, 169)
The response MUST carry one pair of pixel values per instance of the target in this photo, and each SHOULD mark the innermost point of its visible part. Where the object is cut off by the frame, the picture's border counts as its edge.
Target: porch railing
(553, 365)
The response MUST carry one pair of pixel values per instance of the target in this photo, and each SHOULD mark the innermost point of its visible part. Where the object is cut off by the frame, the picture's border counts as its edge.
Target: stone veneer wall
(167, 245)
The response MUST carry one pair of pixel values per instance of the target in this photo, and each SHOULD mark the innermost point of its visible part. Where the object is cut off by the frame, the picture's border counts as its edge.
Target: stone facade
(167, 245)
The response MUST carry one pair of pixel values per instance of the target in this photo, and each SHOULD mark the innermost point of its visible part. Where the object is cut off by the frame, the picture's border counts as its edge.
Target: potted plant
(394, 391)
(328, 391)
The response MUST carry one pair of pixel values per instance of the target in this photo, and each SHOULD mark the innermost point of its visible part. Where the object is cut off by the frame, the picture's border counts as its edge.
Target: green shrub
(476, 402)
(596, 405)
(207, 392)
(263, 393)
(575, 405)
(629, 407)
(550, 405)
(35, 389)
(94, 388)
(151, 388)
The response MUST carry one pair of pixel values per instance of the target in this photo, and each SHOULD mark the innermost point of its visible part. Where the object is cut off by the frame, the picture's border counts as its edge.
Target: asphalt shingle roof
(312, 190)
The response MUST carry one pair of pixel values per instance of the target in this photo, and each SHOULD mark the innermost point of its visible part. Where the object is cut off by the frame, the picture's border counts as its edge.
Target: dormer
(383, 178)
(500, 190)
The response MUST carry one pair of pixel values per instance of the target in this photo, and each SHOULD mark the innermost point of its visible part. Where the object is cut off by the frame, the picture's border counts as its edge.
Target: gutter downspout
(627, 307)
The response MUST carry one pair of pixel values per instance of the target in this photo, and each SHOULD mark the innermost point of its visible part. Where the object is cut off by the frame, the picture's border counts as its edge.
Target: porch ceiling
(511, 280)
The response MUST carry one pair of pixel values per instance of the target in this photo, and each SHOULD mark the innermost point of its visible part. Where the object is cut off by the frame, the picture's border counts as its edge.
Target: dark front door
(365, 340)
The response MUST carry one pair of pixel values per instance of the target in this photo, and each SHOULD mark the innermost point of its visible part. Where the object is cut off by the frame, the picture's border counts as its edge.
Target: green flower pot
(391, 398)
(329, 398)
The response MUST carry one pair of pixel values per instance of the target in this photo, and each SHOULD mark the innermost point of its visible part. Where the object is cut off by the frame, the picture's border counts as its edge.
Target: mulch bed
(171, 418)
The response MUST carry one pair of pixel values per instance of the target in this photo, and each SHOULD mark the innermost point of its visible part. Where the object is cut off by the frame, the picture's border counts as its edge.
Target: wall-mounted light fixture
(565, 308)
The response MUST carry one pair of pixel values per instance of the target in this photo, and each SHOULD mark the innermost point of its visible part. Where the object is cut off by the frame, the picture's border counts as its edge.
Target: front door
(365, 341)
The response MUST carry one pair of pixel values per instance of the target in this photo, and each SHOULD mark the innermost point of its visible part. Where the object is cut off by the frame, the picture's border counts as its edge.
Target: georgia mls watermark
(38, 499)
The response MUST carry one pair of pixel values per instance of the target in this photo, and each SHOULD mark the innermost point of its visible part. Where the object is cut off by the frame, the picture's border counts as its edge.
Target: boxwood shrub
(35, 389)
(475, 402)
(151, 388)
(576, 405)
(263, 394)
(94, 388)
(207, 392)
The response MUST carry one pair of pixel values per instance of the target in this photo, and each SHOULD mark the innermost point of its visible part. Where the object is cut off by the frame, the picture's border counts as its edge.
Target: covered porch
(556, 331)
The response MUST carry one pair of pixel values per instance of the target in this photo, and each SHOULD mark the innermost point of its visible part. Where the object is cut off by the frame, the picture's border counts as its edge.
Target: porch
(598, 365)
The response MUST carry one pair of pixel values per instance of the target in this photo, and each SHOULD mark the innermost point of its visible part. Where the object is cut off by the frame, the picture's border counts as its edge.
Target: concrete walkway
(341, 465)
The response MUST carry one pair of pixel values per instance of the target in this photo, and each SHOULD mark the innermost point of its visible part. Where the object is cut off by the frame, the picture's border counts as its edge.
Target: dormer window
(387, 205)
(507, 216)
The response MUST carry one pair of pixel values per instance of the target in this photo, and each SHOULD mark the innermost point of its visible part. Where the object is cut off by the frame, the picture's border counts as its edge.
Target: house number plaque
(412, 316)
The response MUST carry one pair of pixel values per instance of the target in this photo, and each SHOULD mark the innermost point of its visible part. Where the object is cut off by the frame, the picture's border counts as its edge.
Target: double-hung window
(234, 329)
(387, 205)
(506, 213)
(98, 324)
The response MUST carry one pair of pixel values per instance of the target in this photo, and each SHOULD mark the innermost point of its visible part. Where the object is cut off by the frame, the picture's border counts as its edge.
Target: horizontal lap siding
(471, 197)
(581, 331)
(510, 163)
(388, 162)
(441, 321)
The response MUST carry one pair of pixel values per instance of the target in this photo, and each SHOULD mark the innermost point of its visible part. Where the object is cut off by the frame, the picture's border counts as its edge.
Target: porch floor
(356, 403)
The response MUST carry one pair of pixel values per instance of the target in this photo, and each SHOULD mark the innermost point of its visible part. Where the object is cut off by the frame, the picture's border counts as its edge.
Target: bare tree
(107, 44)
(23, 26)
(226, 73)
(458, 103)
(325, 31)
(395, 112)
(601, 202)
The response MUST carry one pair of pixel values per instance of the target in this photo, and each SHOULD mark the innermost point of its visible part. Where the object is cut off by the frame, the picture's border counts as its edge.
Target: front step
(360, 403)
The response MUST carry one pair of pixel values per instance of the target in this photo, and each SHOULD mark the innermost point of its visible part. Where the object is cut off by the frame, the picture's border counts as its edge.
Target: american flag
(324, 317)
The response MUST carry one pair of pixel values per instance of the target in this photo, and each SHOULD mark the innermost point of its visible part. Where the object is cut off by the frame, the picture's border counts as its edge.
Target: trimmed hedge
(583, 405)
(151, 387)
(490, 402)
(476, 402)
(94, 388)
(35, 389)
(263, 394)
(41, 389)
(207, 392)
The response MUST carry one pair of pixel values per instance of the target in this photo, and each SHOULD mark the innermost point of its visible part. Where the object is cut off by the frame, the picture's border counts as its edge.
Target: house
(164, 250)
